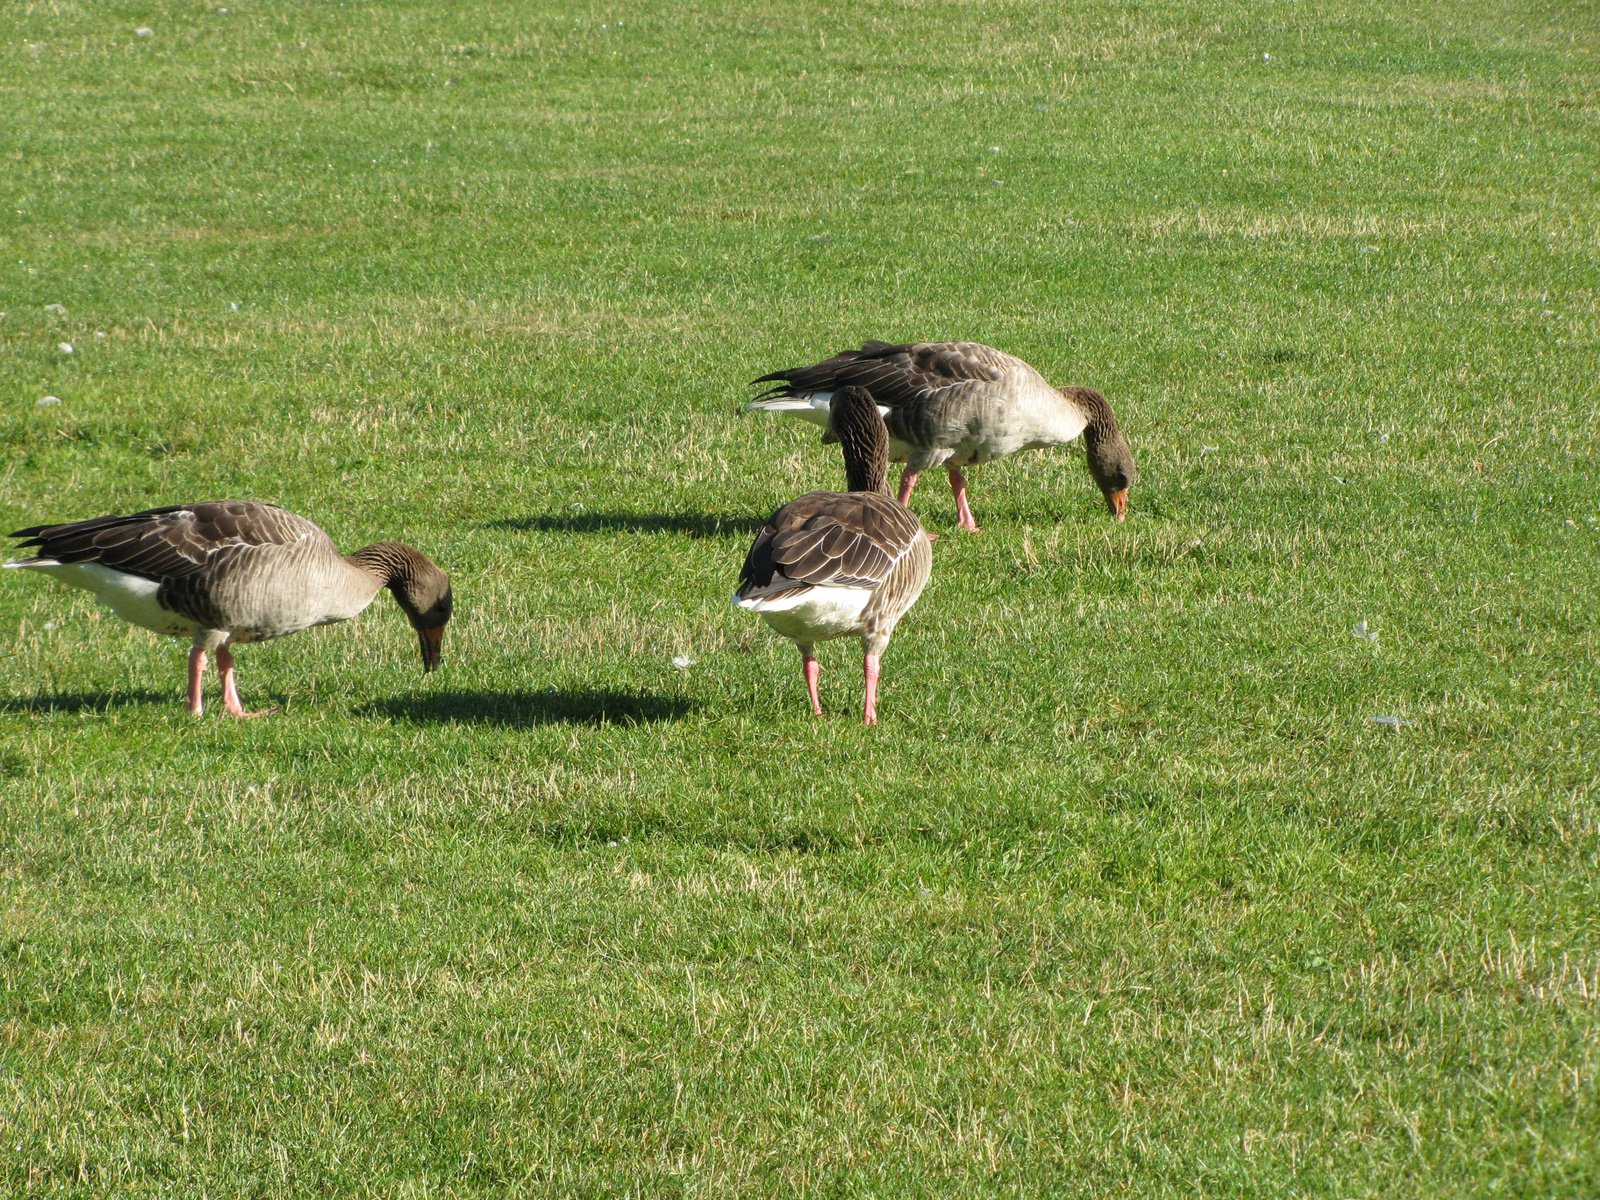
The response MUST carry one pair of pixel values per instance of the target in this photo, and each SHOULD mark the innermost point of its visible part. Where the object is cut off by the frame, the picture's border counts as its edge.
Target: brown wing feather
(847, 539)
(168, 543)
(896, 375)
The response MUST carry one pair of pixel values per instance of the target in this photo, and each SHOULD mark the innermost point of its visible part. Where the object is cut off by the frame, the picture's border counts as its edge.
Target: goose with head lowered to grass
(841, 564)
(230, 571)
(957, 404)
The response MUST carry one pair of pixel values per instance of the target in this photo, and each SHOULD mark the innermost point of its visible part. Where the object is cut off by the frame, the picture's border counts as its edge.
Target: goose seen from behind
(841, 564)
(957, 404)
(231, 571)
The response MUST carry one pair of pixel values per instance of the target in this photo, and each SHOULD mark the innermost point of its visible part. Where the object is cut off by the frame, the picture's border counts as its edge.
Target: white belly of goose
(131, 597)
(815, 615)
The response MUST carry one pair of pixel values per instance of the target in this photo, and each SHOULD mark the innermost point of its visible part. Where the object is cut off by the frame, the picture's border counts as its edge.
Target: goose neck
(853, 419)
(388, 563)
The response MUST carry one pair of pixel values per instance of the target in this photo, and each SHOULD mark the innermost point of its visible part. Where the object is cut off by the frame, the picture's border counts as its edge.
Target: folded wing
(899, 375)
(168, 543)
(838, 539)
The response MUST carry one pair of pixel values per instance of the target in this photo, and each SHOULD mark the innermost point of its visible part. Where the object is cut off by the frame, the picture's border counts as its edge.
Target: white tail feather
(789, 404)
(814, 407)
(765, 603)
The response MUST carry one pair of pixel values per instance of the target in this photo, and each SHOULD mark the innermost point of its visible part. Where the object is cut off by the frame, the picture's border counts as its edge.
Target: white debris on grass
(1360, 630)
(55, 308)
(44, 400)
(1205, 450)
(143, 31)
(1390, 722)
(683, 662)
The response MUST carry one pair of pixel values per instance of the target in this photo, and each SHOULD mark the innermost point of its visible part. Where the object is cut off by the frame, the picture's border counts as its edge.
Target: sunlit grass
(1129, 893)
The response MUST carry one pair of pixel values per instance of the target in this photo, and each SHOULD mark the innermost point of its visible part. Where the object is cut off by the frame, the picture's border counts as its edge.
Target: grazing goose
(955, 404)
(231, 571)
(841, 564)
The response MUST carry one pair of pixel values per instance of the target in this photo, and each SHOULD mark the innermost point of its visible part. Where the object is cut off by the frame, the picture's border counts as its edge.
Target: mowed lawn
(1129, 893)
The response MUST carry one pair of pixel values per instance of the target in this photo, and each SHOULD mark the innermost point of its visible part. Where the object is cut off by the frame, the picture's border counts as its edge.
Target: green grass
(1126, 895)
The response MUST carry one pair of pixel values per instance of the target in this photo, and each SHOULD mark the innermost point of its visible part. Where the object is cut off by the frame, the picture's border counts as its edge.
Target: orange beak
(1118, 503)
(432, 640)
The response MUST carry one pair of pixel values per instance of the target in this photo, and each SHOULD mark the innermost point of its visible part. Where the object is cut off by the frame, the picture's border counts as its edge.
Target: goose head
(420, 588)
(1111, 464)
(1110, 460)
(426, 600)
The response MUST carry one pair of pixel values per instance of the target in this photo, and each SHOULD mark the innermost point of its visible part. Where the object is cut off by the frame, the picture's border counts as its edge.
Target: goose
(957, 404)
(841, 564)
(231, 571)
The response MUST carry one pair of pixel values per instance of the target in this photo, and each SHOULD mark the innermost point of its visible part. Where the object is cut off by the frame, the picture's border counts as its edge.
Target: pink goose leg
(908, 480)
(197, 675)
(230, 690)
(813, 671)
(869, 668)
(958, 487)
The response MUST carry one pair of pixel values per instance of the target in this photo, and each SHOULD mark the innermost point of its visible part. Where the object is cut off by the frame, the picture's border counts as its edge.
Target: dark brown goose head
(854, 422)
(1110, 460)
(420, 588)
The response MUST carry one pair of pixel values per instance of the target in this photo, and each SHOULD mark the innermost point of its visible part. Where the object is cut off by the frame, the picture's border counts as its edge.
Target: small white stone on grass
(65, 347)
(1360, 630)
(1391, 722)
(143, 31)
(683, 662)
(58, 308)
(235, 306)
(44, 400)
(49, 624)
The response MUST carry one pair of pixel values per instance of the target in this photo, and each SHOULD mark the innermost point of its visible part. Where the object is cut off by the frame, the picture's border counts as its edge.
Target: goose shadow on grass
(521, 710)
(695, 525)
(84, 702)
